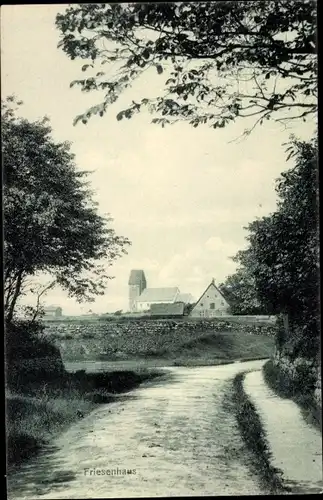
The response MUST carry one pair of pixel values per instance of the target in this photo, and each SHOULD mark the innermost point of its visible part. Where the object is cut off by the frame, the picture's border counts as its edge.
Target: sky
(182, 195)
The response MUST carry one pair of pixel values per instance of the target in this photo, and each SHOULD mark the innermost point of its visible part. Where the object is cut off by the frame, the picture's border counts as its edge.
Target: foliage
(29, 354)
(283, 252)
(21, 332)
(219, 60)
(188, 308)
(51, 221)
(240, 291)
(296, 381)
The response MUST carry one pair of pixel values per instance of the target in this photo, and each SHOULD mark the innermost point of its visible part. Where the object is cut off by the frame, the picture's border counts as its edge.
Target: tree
(188, 308)
(34, 312)
(283, 252)
(220, 60)
(240, 291)
(51, 224)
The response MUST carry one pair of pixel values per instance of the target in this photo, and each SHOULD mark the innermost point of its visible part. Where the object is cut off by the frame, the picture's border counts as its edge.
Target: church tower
(137, 283)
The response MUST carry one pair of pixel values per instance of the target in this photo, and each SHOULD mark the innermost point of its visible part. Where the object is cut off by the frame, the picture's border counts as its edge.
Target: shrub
(296, 380)
(30, 357)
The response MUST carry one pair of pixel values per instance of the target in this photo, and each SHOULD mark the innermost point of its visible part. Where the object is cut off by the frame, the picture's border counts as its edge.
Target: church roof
(137, 276)
(159, 294)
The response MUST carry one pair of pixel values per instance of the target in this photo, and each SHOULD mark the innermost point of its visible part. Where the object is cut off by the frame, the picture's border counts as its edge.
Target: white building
(141, 297)
(211, 304)
(157, 296)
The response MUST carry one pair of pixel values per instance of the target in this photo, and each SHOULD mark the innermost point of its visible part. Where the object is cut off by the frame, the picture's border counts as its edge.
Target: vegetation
(42, 398)
(254, 437)
(162, 342)
(282, 256)
(188, 308)
(42, 409)
(300, 388)
(219, 61)
(51, 221)
(51, 226)
(240, 291)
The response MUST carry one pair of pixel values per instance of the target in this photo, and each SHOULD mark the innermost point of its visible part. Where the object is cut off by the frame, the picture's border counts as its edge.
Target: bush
(21, 446)
(30, 357)
(295, 380)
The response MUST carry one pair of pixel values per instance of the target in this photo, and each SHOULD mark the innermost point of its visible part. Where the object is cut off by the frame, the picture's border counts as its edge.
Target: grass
(299, 392)
(42, 411)
(184, 347)
(254, 437)
(227, 346)
(206, 349)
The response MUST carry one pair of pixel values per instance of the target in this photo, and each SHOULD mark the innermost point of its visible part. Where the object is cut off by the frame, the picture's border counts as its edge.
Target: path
(296, 445)
(176, 434)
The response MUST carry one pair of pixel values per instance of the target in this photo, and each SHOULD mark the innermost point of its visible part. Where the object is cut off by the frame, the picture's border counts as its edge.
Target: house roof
(159, 294)
(184, 297)
(51, 308)
(137, 277)
(176, 309)
(218, 290)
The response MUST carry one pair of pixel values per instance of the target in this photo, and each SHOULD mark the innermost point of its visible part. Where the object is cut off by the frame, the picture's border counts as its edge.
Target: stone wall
(302, 373)
(140, 337)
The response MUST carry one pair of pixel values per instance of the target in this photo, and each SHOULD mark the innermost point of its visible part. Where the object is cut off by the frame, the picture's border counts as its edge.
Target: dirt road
(175, 435)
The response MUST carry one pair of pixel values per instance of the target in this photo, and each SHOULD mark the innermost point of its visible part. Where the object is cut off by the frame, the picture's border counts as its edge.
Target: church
(141, 298)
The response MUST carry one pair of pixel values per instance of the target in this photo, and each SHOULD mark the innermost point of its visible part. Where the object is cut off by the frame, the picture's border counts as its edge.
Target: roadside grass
(40, 412)
(202, 348)
(33, 421)
(296, 391)
(228, 346)
(254, 437)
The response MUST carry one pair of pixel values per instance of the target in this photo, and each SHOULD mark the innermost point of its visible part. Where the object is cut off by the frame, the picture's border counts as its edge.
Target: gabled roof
(51, 308)
(137, 277)
(184, 297)
(207, 288)
(159, 294)
(176, 309)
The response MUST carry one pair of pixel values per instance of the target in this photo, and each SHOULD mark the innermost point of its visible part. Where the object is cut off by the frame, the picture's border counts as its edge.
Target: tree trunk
(12, 305)
(7, 295)
(39, 295)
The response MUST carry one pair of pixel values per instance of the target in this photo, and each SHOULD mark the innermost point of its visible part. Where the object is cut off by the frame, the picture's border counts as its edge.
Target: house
(212, 303)
(167, 310)
(52, 312)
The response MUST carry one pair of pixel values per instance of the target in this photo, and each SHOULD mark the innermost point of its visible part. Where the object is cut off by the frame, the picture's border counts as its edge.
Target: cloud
(181, 194)
(194, 269)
